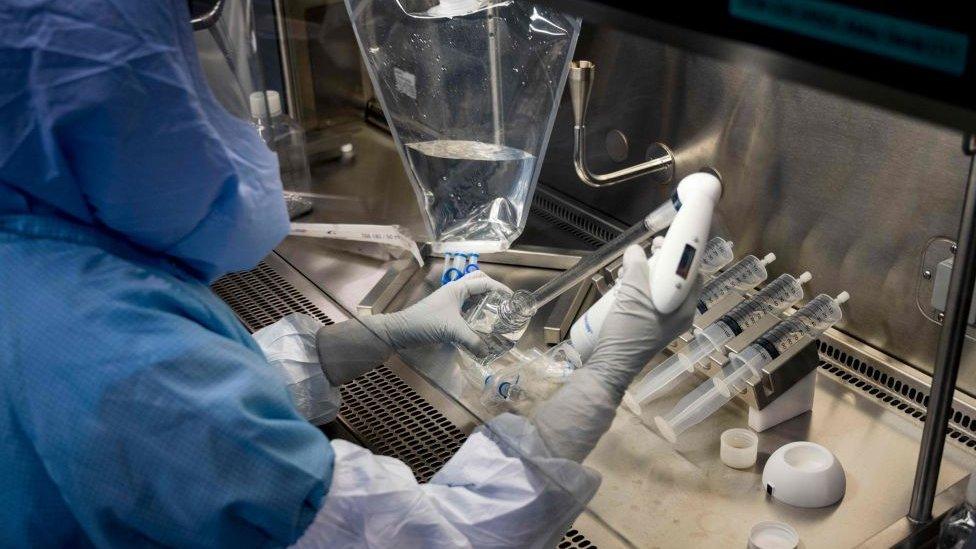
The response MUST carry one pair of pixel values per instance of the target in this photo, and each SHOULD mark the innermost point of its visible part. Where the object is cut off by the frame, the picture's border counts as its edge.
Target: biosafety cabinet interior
(837, 173)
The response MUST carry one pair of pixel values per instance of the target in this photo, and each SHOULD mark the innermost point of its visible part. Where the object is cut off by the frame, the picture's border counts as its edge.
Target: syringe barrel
(744, 274)
(691, 410)
(743, 367)
(811, 320)
(773, 298)
(818, 314)
(717, 254)
(661, 378)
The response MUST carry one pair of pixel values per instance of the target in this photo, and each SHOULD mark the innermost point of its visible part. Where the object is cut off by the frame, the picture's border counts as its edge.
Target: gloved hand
(349, 349)
(437, 317)
(574, 419)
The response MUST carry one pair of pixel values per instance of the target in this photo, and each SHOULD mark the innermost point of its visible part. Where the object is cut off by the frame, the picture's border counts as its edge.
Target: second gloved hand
(574, 419)
(436, 318)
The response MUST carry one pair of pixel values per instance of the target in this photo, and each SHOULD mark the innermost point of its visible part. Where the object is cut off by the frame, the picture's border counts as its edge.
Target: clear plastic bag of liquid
(470, 89)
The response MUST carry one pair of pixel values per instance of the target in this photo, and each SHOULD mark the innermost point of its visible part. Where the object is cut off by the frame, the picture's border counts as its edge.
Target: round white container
(804, 474)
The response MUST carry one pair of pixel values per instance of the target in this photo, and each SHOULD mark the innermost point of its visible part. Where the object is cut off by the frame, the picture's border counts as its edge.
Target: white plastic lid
(258, 103)
(738, 448)
(773, 534)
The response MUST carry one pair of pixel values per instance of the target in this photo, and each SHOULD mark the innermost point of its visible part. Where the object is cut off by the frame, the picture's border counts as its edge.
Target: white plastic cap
(842, 297)
(773, 534)
(768, 258)
(738, 448)
(258, 103)
(805, 277)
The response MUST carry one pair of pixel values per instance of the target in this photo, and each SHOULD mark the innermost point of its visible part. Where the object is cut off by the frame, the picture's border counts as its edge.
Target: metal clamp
(580, 85)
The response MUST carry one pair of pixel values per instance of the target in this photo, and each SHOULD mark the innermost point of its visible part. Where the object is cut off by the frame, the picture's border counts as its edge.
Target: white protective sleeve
(502, 489)
(291, 349)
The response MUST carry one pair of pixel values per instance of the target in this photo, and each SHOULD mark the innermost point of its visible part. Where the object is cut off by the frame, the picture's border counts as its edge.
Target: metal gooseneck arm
(951, 340)
(580, 86)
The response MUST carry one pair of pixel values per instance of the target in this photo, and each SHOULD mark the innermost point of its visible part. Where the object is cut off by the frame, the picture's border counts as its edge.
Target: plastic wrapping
(470, 89)
(290, 347)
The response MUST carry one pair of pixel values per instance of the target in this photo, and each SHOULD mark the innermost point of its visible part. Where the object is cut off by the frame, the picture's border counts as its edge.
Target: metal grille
(260, 297)
(571, 220)
(379, 407)
(396, 421)
(891, 391)
(573, 540)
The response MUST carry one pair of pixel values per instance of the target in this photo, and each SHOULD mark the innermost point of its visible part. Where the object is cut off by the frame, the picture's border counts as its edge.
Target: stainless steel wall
(847, 191)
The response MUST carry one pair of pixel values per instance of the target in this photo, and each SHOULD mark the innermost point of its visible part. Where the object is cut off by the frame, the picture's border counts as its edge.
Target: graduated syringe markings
(745, 367)
(776, 296)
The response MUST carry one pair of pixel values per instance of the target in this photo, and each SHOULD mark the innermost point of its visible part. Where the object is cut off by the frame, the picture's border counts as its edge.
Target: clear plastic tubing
(745, 367)
(776, 296)
(745, 274)
(523, 304)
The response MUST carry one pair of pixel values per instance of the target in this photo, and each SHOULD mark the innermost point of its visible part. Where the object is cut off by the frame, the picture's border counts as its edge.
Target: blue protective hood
(105, 117)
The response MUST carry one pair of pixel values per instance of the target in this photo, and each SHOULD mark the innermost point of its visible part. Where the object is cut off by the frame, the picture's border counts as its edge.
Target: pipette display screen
(687, 256)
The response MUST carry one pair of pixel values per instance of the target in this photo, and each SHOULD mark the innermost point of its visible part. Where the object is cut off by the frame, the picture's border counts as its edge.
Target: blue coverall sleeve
(158, 428)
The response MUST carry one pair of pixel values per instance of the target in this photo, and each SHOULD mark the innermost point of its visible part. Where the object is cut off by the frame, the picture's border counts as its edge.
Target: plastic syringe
(585, 332)
(745, 367)
(745, 274)
(776, 296)
(717, 254)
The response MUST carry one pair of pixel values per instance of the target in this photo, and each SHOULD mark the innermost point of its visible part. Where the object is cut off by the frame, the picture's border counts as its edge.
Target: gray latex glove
(352, 348)
(574, 419)
(437, 317)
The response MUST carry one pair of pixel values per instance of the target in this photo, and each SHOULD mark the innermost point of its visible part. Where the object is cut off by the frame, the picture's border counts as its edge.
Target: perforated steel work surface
(382, 409)
(379, 407)
(261, 296)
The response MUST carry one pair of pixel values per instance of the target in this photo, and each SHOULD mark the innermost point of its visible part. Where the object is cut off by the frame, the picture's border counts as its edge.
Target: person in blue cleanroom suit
(135, 409)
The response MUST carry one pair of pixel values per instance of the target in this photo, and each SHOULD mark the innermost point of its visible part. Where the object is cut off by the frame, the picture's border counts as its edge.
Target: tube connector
(581, 74)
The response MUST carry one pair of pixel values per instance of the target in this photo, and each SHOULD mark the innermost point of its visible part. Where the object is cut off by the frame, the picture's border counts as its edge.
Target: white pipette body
(585, 332)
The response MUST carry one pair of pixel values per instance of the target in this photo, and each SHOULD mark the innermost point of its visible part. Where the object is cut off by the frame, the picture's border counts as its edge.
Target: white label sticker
(391, 235)
(406, 82)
